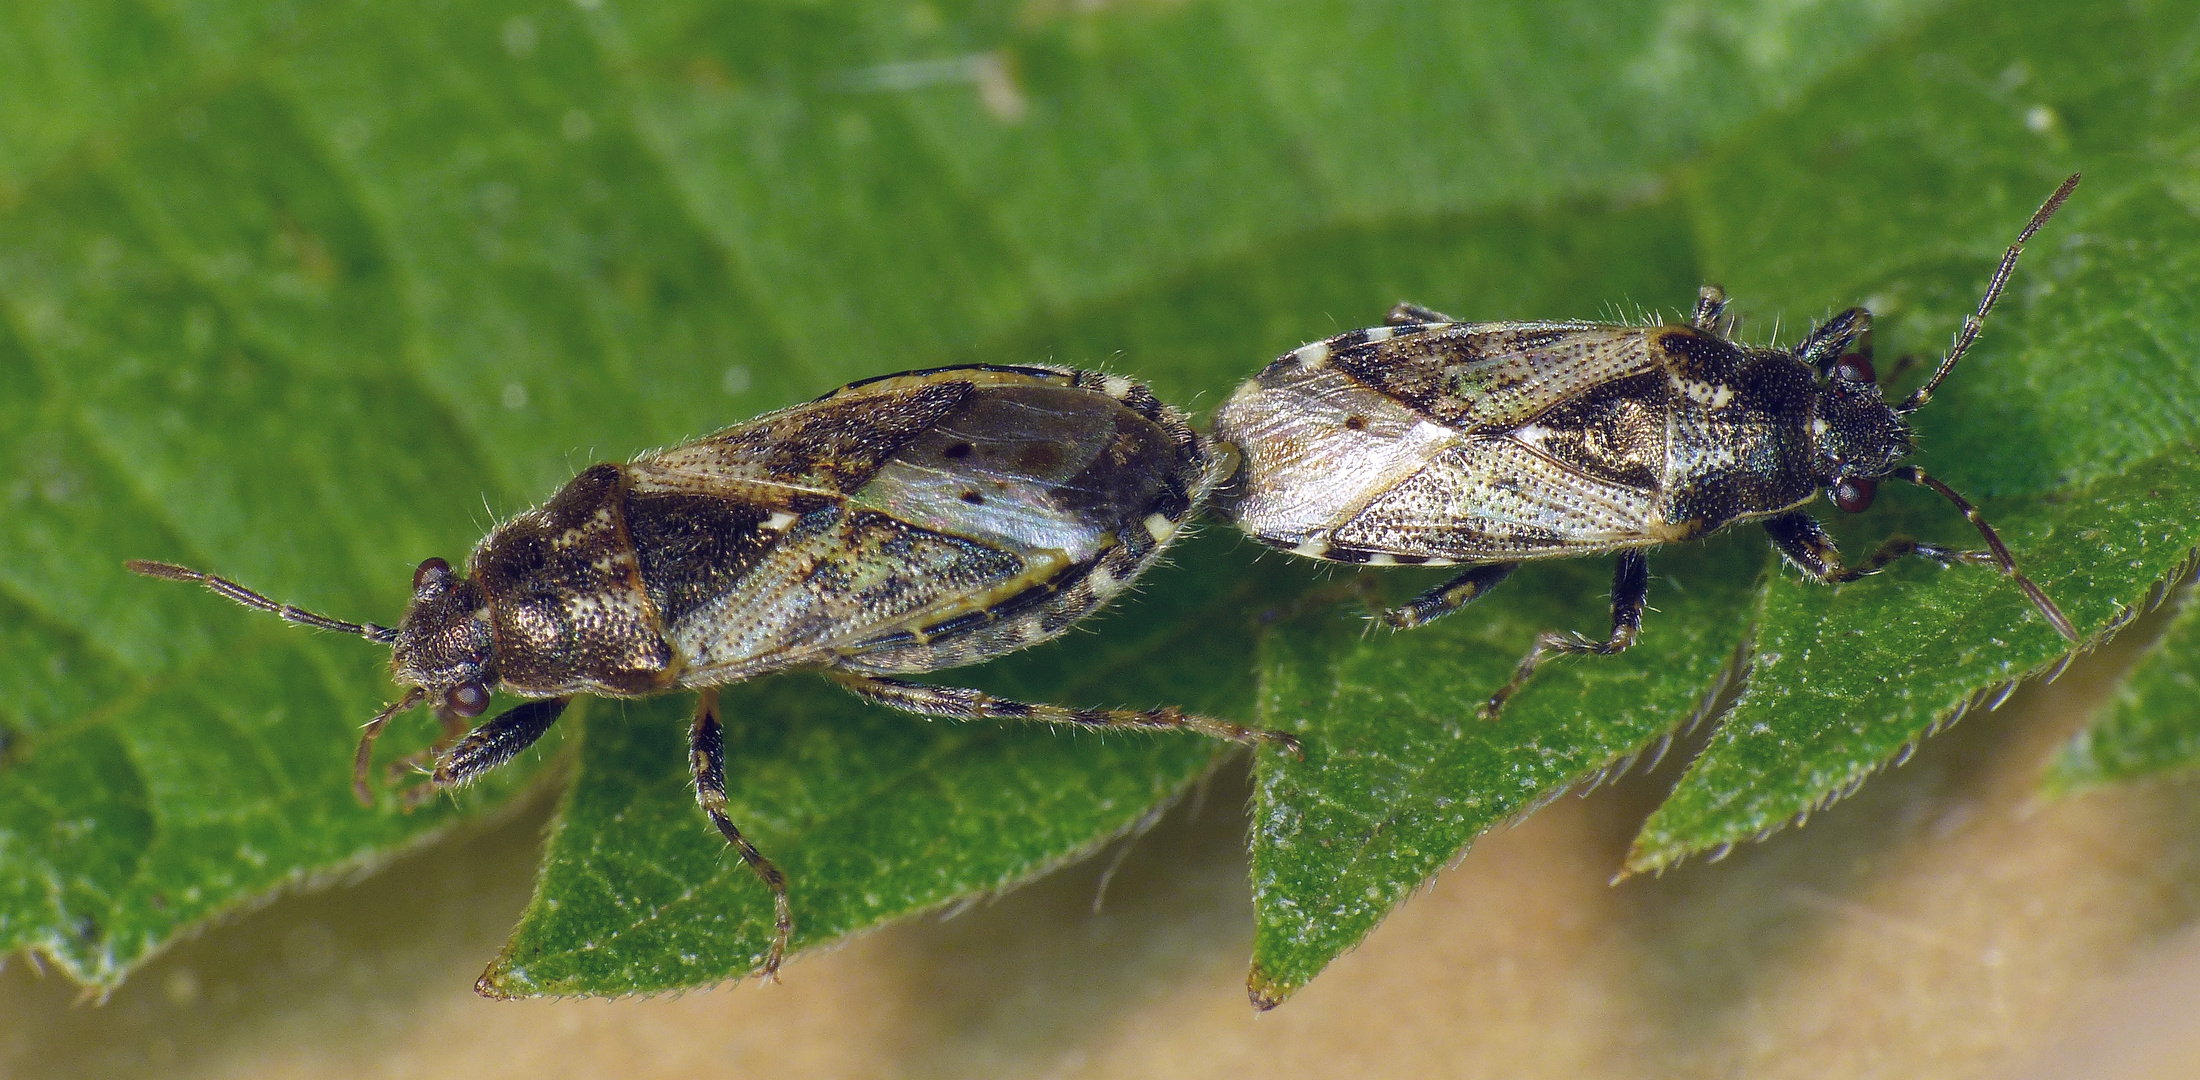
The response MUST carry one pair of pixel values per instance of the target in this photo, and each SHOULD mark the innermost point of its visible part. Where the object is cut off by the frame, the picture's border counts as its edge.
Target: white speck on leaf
(519, 36)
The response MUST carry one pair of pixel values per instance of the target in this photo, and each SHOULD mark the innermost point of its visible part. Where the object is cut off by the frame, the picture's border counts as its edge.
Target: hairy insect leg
(1414, 314)
(1448, 597)
(1999, 552)
(1361, 587)
(955, 703)
(1710, 305)
(454, 729)
(1803, 541)
(488, 746)
(1630, 591)
(707, 758)
(1827, 342)
(361, 757)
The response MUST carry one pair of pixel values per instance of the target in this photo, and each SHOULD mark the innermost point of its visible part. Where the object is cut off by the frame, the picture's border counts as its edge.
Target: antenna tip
(171, 571)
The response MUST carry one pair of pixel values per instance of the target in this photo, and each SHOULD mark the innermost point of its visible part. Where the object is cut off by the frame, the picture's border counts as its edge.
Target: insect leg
(1830, 340)
(1999, 555)
(954, 703)
(371, 732)
(707, 757)
(1710, 304)
(1803, 541)
(454, 729)
(488, 746)
(1630, 590)
(1448, 597)
(1414, 314)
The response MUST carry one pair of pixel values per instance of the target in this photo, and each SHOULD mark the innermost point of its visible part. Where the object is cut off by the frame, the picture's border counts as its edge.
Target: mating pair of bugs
(937, 518)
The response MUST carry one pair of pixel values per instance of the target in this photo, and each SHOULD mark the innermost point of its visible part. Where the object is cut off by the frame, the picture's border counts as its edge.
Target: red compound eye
(466, 699)
(1855, 367)
(431, 566)
(1855, 496)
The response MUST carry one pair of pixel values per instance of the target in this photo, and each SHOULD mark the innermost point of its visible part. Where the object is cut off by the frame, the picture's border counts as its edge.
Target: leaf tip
(502, 982)
(1647, 857)
(1265, 991)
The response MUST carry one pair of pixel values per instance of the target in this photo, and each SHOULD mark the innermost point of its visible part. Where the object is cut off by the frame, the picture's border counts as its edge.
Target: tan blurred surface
(1943, 923)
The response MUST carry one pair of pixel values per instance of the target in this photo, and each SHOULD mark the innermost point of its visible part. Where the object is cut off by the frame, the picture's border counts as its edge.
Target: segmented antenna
(1976, 321)
(223, 586)
(2047, 607)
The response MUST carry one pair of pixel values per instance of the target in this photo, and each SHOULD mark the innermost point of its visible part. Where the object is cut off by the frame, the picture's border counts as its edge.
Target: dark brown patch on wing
(1415, 370)
(692, 547)
(836, 445)
(1140, 471)
(1040, 465)
(1489, 378)
(1614, 432)
(831, 446)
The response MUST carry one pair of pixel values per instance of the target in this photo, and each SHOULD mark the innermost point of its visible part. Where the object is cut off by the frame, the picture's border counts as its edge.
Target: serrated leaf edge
(1265, 991)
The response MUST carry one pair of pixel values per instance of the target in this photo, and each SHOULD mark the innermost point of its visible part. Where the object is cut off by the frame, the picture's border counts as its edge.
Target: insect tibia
(238, 593)
(1448, 597)
(1710, 306)
(2000, 551)
(373, 730)
(1407, 313)
(954, 703)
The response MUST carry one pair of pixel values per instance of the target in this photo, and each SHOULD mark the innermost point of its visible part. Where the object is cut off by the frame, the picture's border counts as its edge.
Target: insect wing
(915, 501)
(1487, 377)
(1041, 469)
(1419, 445)
(836, 577)
(1496, 500)
(824, 448)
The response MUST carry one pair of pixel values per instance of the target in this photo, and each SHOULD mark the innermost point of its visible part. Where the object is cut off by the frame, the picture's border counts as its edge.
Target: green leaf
(303, 296)
(2151, 725)
(168, 758)
(1893, 181)
(2073, 422)
(1835, 691)
(1399, 773)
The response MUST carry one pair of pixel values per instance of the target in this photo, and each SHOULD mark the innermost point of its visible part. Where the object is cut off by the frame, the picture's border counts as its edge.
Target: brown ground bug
(1431, 441)
(895, 526)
